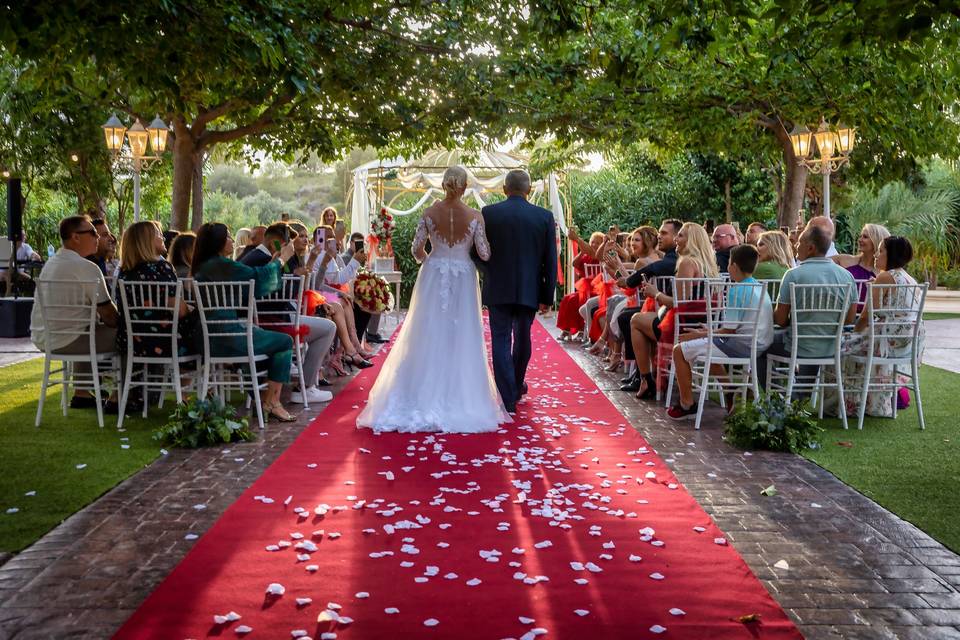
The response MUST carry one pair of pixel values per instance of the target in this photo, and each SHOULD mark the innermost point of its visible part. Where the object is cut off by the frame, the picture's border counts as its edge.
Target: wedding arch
(380, 183)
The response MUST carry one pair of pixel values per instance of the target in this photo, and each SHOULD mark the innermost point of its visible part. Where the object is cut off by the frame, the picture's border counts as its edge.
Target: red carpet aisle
(563, 524)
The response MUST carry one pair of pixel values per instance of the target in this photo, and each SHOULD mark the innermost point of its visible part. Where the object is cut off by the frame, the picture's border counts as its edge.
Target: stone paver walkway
(14, 350)
(942, 344)
(855, 570)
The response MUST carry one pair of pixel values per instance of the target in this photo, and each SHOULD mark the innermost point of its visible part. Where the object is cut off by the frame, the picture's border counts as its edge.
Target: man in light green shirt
(814, 268)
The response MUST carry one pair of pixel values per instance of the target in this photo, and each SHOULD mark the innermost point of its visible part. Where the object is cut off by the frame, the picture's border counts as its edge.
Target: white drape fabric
(427, 173)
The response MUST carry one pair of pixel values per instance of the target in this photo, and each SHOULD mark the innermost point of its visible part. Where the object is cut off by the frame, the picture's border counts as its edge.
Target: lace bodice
(442, 247)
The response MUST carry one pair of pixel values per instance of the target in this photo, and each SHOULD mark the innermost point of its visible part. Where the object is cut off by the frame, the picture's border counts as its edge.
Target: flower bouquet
(372, 292)
(382, 229)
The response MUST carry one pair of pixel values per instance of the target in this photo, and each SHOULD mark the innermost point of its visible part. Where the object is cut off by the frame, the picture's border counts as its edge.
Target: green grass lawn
(940, 316)
(45, 460)
(915, 474)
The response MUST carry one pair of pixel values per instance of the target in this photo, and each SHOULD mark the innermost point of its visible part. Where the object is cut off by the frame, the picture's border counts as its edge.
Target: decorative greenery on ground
(913, 473)
(774, 424)
(46, 461)
(202, 423)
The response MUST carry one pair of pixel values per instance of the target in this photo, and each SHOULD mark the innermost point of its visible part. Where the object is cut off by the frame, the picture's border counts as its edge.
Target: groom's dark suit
(520, 275)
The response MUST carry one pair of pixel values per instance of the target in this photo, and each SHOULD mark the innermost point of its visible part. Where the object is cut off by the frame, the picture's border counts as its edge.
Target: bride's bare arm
(480, 239)
(420, 241)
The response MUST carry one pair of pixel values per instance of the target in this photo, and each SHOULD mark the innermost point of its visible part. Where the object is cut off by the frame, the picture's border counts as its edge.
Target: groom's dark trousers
(519, 276)
(510, 341)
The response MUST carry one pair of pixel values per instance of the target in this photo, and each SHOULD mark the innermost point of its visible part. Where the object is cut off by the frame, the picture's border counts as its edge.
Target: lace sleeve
(420, 241)
(480, 240)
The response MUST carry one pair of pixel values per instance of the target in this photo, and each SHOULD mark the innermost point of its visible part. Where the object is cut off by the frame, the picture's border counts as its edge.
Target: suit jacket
(522, 269)
(255, 258)
(665, 266)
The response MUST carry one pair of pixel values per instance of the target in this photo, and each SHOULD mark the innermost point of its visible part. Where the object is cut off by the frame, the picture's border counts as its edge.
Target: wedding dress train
(436, 377)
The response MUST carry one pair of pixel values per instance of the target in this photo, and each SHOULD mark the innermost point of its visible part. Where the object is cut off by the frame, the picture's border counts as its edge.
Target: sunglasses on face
(93, 232)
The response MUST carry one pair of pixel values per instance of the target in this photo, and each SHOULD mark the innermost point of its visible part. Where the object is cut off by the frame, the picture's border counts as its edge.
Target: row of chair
(817, 316)
(227, 311)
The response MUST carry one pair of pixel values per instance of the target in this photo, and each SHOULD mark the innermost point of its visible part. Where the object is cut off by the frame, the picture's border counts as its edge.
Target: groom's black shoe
(523, 389)
(375, 338)
(511, 408)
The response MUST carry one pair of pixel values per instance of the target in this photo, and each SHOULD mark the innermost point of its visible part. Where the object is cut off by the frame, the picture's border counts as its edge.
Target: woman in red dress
(569, 320)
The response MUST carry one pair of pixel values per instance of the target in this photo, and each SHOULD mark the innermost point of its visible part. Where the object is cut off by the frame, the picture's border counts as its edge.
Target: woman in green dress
(212, 262)
(776, 256)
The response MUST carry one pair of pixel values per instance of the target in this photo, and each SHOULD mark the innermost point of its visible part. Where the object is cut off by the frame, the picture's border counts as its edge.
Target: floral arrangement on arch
(382, 229)
(372, 293)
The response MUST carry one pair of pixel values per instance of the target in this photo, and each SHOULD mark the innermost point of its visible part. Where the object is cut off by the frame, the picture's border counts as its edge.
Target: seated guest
(168, 238)
(321, 330)
(825, 224)
(276, 235)
(754, 232)
(569, 320)
(776, 257)
(696, 260)
(642, 245)
(861, 265)
(892, 259)
(212, 262)
(240, 241)
(18, 277)
(665, 266)
(79, 238)
(336, 276)
(693, 344)
(724, 238)
(141, 248)
(254, 241)
(373, 327)
(814, 268)
(106, 245)
(180, 255)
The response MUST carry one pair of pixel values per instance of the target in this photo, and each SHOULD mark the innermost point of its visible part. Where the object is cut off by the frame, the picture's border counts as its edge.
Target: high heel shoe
(647, 391)
(272, 413)
(358, 361)
(336, 363)
(615, 363)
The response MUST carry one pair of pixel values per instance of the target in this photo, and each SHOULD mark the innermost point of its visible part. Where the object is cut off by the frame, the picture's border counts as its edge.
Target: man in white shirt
(70, 263)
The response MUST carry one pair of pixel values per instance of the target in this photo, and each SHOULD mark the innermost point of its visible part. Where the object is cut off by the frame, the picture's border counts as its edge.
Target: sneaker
(313, 395)
(677, 412)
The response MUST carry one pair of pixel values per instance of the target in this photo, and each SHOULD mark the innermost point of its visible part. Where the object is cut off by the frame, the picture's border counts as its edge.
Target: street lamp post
(833, 147)
(139, 139)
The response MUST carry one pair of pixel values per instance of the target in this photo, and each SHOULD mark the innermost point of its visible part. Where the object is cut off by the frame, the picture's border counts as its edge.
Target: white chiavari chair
(151, 315)
(895, 320)
(227, 317)
(817, 313)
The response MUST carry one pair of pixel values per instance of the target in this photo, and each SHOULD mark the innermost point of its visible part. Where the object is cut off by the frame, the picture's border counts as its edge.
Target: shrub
(201, 423)
(773, 423)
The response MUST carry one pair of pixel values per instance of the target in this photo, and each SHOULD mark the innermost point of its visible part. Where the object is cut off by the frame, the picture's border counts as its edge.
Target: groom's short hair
(517, 181)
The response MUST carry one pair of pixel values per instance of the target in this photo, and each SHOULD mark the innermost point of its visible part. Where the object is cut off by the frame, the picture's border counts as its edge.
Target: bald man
(724, 238)
(826, 224)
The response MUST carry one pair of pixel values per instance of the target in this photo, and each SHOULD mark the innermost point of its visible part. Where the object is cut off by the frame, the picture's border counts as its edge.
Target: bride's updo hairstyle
(454, 181)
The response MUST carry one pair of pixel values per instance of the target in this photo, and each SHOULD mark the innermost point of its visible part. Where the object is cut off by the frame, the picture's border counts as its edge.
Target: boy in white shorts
(693, 345)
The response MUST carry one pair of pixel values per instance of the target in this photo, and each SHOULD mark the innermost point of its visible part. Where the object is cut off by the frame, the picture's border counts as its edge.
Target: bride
(436, 377)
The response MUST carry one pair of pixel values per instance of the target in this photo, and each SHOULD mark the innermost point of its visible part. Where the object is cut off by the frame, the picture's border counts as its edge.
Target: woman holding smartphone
(337, 277)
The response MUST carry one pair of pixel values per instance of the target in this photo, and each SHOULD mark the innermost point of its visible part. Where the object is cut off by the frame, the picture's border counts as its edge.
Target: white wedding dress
(436, 377)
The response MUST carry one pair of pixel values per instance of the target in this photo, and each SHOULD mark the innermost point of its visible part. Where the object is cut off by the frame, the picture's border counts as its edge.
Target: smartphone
(331, 244)
(276, 245)
(357, 246)
(320, 236)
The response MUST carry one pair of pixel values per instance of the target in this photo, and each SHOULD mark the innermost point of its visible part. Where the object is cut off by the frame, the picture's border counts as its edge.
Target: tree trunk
(184, 150)
(795, 182)
(198, 161)
(727, 200)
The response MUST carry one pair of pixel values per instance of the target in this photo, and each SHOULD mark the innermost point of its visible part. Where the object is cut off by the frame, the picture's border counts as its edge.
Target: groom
(519, 278)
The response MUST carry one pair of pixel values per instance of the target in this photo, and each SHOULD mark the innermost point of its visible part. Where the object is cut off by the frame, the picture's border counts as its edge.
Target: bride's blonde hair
(454, 180)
